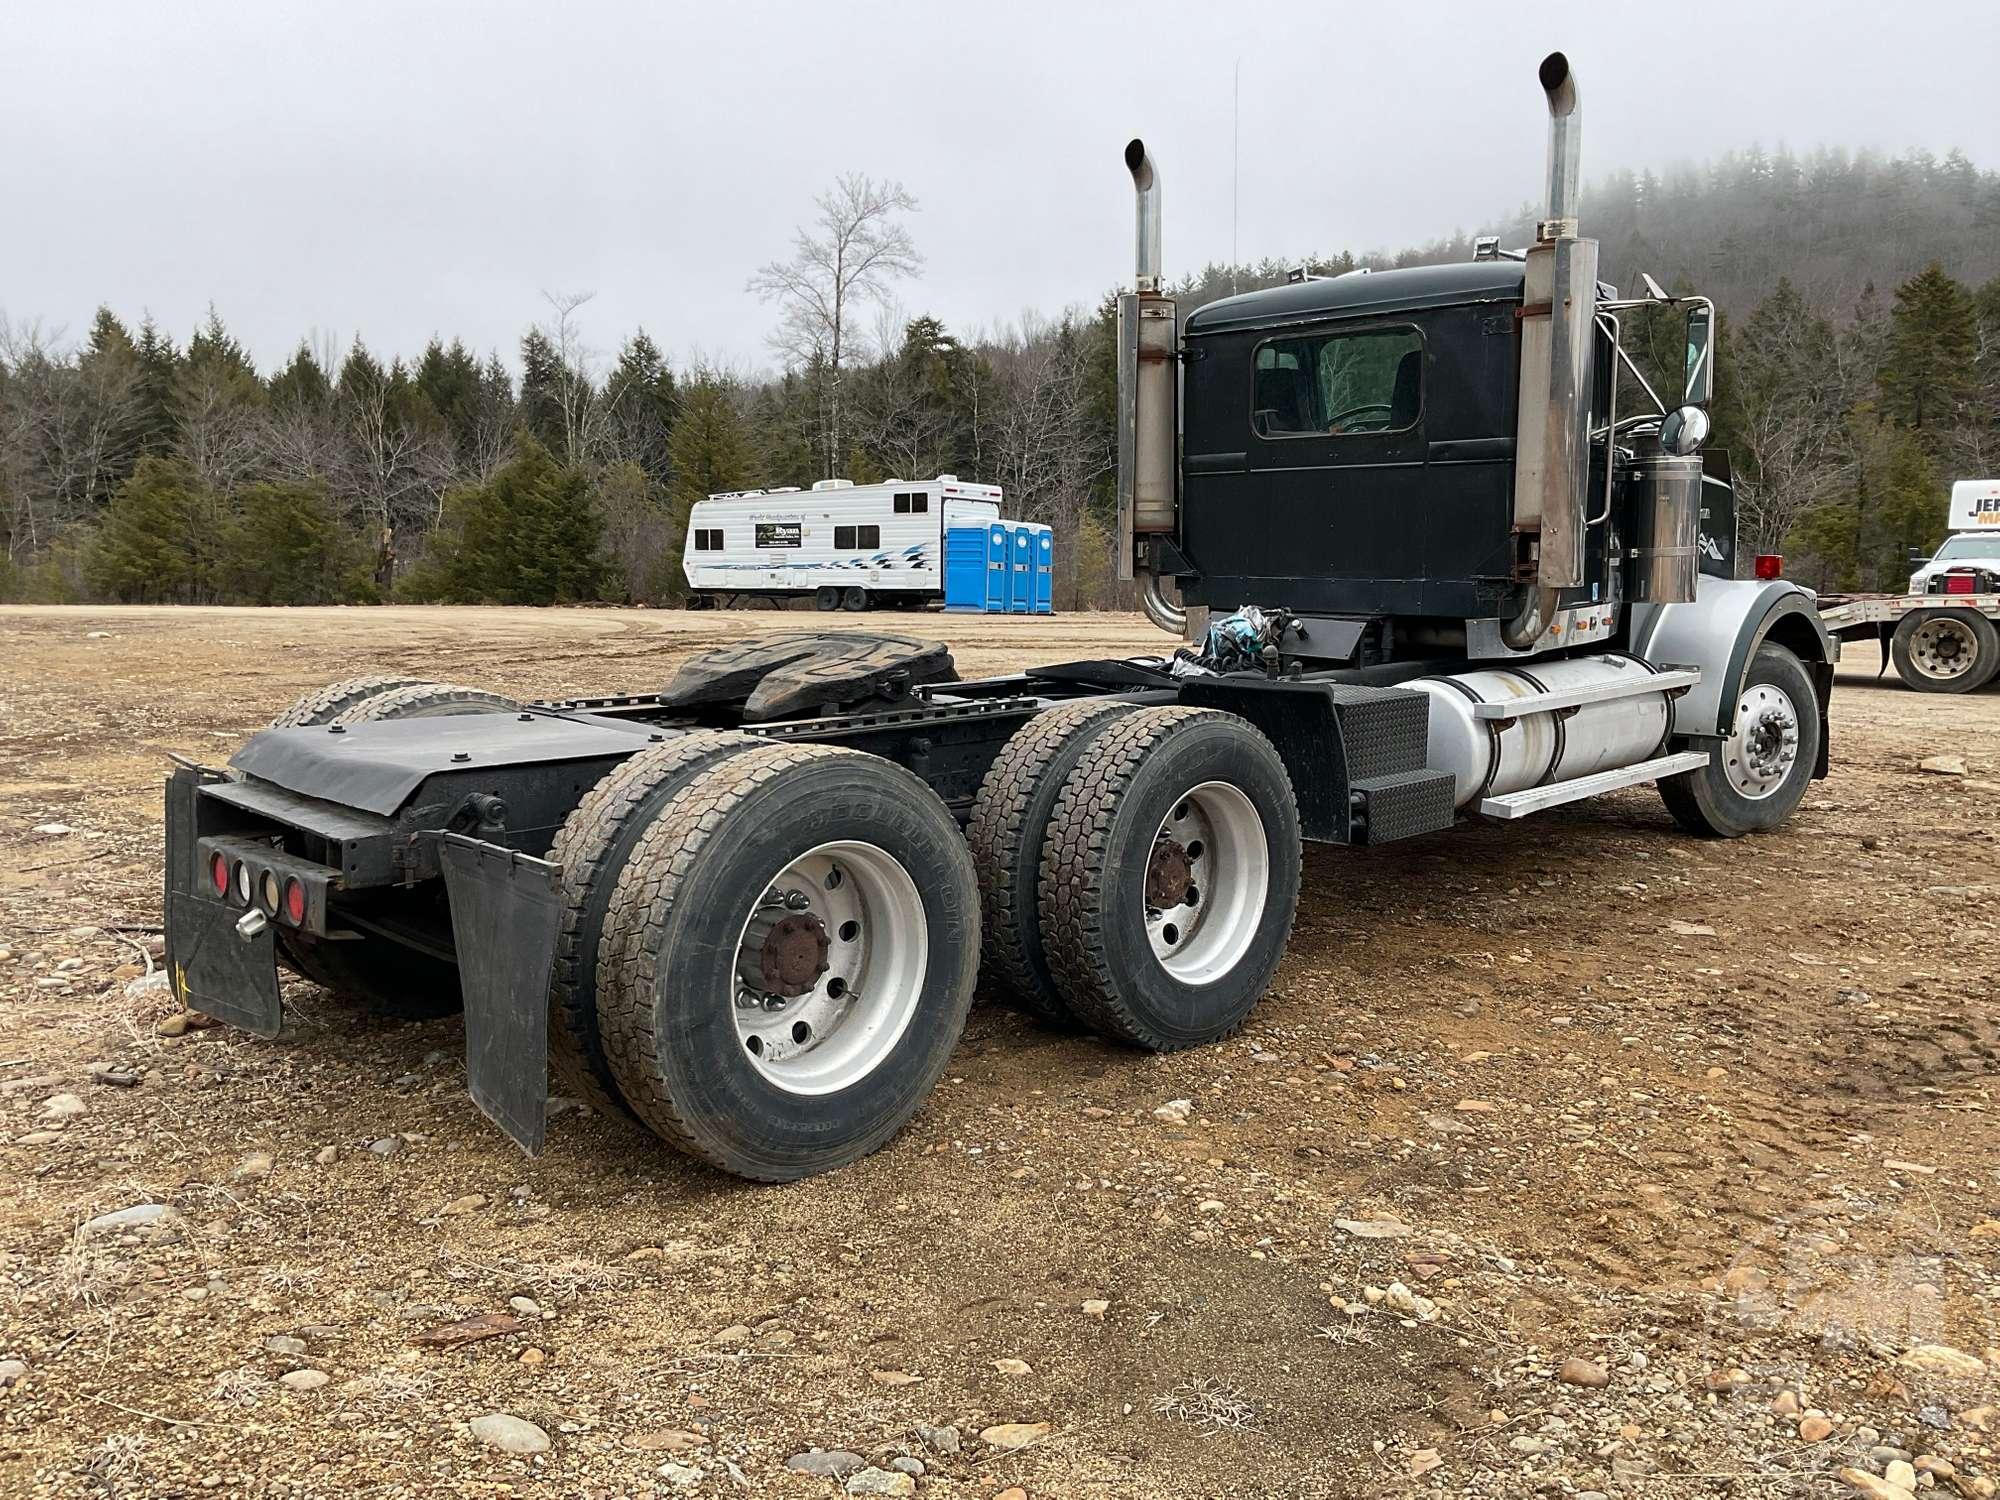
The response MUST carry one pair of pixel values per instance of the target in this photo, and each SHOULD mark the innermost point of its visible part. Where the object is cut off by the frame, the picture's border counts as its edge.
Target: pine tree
(1927, 372)
(161, 538)
(640, 401)
(529, 535)
(710, 448)
(541, 390)
(282, 544)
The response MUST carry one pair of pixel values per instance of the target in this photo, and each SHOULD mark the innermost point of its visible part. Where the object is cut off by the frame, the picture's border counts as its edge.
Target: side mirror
(1700, 383)
(1918, 557)
(1684, 431)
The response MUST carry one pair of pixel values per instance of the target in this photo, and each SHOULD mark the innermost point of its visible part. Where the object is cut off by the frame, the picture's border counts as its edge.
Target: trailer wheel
(854, 600)
(1945, 650)
(1010, 821)
(593, 846)
(387, 977)
(1754, 780)
(319, 707)
(1170, 877)
(424, 700)
(796, 938)
(826, 599)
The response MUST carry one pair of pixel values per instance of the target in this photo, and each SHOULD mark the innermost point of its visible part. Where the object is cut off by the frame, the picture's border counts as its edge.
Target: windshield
(1971, 544)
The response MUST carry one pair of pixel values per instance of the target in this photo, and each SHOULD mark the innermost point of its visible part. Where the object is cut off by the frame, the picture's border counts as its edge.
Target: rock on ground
(510, 1434)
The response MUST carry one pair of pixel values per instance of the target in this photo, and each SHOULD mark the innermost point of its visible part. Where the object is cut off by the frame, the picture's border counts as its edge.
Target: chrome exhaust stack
(1558, 339)
(1148, 405)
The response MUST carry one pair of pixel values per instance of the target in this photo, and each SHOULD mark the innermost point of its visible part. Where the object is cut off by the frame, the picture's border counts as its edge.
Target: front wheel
(1755, 779)
(791, 958)
(1945, 650)
(1170, 877)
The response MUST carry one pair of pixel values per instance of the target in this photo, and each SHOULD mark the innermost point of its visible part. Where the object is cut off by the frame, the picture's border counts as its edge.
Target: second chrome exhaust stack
(1148, 404)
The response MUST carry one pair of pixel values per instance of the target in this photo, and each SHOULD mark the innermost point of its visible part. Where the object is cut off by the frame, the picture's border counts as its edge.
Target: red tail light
(1960, 583)
(218, 871)
(1770, 565)
(295, 902)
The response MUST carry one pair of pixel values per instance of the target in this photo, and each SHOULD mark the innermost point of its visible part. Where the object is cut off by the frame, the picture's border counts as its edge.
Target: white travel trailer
(850, 546)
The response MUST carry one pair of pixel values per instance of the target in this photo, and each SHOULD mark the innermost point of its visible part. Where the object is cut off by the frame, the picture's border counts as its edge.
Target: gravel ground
(1580, 1158)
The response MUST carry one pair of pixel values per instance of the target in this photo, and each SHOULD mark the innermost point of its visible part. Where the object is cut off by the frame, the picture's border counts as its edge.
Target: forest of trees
(1859, 373)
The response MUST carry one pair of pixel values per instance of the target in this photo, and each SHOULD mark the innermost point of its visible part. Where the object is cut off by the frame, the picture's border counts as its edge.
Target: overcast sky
(399, 169)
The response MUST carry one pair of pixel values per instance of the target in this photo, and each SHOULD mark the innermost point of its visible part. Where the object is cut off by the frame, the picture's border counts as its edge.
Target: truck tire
(855, 600)
(1754, 780)
(592, 846)
(1010, 822)
(832, 891)
(1170, 877)
(1945, 650)
(424, 700)
(387, 977)
(826, 599)
(320, 706)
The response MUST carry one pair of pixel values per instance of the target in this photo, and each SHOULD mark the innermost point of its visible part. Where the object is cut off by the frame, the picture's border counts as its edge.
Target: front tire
(1754, 780)
(1170, 877)
(1945, 650)
(796, 939)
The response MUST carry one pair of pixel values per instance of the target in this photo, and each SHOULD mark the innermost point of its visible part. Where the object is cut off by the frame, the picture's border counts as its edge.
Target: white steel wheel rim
(878, 952)
(1216, 828)
(1944, 650)
(1760, 755)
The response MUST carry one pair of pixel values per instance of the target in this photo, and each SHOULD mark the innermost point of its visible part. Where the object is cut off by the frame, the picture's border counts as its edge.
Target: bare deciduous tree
(850, 254)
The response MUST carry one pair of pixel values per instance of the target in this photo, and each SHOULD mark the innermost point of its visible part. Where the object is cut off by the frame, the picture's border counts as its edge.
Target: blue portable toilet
(997, 546)
(965, 567)
(1021, 575)
(1045, 570)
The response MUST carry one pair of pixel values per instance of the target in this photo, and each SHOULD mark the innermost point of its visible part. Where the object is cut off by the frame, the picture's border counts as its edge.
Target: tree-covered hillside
(1859, 373)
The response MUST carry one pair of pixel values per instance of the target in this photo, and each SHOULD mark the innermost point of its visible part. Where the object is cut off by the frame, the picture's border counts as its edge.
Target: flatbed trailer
(1451, 575)
(1940, 643)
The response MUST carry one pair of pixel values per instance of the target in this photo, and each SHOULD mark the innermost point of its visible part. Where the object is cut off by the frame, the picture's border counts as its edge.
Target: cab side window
(1338, 384)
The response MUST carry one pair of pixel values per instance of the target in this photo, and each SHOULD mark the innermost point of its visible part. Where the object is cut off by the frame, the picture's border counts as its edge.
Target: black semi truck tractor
(1446, 573)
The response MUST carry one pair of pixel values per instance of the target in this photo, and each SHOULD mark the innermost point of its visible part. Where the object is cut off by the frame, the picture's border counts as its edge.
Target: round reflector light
(243, 882)
(218, 871)
(295, 902)
(271, 892)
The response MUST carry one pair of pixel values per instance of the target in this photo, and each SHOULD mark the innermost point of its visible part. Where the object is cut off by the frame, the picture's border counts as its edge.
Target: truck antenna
(1235, 165)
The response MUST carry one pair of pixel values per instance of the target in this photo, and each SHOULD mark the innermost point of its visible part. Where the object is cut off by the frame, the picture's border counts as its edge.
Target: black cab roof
(1359, 295)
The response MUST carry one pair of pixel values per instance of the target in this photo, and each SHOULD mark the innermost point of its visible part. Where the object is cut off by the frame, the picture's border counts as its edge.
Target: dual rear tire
(785, 959)
(1165, 853)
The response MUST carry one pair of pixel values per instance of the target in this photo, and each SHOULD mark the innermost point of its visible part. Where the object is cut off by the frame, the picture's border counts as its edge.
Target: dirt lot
(1716, 1122)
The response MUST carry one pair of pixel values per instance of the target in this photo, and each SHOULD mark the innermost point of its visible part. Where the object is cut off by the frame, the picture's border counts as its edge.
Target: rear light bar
(1960, 583)
(257, 874)
(1770, 565)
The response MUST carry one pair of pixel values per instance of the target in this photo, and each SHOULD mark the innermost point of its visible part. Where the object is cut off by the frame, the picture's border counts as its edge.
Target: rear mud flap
(504, 916)
(220, 972)
(213, 966)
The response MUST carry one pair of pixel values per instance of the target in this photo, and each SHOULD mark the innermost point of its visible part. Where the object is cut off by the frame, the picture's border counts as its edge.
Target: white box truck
(850, 546)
